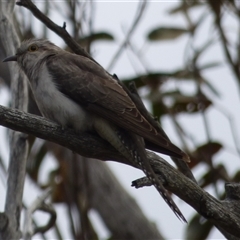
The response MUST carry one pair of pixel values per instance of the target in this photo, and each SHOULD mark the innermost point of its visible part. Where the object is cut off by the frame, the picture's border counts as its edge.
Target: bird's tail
(139, 156)
(132, 148)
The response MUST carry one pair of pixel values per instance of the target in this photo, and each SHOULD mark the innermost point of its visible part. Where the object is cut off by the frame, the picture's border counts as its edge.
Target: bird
(77, 92)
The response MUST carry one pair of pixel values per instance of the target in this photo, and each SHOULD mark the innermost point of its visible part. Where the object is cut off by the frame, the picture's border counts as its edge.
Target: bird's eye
(33, 48)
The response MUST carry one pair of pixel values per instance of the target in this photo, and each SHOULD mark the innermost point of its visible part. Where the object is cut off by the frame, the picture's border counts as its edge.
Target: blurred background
(184, 58)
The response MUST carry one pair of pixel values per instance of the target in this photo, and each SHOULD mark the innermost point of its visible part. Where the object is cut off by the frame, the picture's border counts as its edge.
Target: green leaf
(151, 79)
(189, 75)
(236, 177)
(209, 149)
(166, 33)
(213, 175)
(158, 110)
(104, 36)
(198, 228)
(173, 94)
(205, 152)
(154, 80)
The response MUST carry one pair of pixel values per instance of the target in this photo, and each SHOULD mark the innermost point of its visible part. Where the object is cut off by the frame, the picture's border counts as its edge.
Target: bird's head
(32, 52)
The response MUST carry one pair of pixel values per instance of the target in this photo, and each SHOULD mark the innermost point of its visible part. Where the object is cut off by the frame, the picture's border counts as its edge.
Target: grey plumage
(77, 92)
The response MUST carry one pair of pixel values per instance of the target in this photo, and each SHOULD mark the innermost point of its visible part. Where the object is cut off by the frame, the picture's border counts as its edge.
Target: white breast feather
(56, 106)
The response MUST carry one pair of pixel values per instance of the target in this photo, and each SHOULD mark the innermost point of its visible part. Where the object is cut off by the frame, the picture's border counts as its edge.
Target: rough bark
(223, 214)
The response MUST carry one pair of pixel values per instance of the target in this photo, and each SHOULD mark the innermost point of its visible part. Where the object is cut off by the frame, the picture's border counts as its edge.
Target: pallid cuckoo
(75, 91)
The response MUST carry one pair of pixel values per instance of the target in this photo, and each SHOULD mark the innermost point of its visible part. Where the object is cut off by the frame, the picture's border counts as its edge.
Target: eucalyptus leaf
(104, 36)
(166, 33)
(214, 175)
(148, 79)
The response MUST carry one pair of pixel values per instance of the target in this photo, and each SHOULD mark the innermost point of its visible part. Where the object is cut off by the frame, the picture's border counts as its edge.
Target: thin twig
(60, 31)
(137, 19)
(234, 65)
(232, 125)
(38, 204)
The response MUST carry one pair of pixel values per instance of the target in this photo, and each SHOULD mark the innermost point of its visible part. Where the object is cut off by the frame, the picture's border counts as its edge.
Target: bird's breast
(56, 106)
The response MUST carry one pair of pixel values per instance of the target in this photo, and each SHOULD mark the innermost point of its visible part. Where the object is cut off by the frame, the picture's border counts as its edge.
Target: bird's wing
(92, 87)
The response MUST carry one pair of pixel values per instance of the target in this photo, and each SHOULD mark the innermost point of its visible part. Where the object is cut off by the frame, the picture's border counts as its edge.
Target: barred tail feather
(147, 169)
(132, 148)
(138, 153)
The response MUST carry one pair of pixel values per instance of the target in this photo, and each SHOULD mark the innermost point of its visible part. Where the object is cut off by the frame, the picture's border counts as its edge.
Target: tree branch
(223, 214)
(60, 31)
(39, 204)
(18, 141)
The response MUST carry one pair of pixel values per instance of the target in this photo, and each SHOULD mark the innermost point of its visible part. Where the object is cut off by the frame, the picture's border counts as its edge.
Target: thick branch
(92, 146)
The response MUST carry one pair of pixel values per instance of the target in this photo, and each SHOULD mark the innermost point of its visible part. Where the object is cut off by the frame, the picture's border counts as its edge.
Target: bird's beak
(10, 59)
